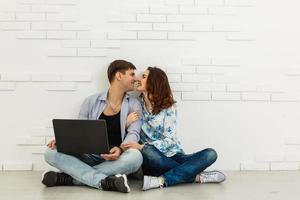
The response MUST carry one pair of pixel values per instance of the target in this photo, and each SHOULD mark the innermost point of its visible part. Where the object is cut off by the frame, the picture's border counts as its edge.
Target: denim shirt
(160, 130)
(94, 105)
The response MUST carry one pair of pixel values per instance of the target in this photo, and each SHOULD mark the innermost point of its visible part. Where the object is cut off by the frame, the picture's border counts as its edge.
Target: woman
(165, 162)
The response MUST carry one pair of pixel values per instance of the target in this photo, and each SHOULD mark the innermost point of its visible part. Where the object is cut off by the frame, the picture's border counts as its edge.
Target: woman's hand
(132, 117)
(133, 145)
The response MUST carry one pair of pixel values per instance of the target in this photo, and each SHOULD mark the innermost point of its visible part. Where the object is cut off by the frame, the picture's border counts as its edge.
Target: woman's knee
(211, 155)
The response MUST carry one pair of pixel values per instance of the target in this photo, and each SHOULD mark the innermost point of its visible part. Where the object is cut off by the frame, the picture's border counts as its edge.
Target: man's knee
(135, 158)
(50, 156)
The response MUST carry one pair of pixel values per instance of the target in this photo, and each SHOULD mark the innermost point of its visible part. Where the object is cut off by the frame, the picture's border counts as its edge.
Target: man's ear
(118, 76)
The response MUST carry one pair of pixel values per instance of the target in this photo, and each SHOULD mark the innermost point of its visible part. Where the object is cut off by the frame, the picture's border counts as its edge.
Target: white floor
(239, 186)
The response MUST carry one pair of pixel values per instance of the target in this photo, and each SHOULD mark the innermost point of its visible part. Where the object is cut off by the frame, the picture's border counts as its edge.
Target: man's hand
(133, 145)
(114, 154)
(52, 144)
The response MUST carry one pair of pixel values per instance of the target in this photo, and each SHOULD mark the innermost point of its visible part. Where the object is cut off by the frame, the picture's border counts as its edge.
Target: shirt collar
(103, 96)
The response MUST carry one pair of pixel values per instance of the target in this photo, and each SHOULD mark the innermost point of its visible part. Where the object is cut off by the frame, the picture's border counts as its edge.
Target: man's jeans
(90, 169)
(180, 168)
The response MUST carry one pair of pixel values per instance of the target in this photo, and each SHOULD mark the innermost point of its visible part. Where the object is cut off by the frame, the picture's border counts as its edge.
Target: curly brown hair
(159, 90)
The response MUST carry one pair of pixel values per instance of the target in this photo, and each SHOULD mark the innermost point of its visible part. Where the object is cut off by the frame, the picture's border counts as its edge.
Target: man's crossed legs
(92, 170)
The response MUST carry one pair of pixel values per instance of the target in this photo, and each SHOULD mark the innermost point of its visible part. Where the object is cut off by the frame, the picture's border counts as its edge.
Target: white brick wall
(55, 53)
(46, 77)
(209, 2)
(26, 140)
(9, 76)
(7, 86)
(196, 96)
(193, 10)
(7, 17)
(222, 96)
(63, 86)
(9, 26)
(151, 18)
(76, 43)
(178, 2)
(122, 35)
(91, 35)
(152, 35)
(61, 17)
(70, 52)
(198, 27)
(284, 166)
(91, 52)
(137, 26)
(59, 35)
(180, 69)
(79, 77)
(105, 44)
(292, 140)
(163, 9)
(45, 26)
(31, 35)
(196, 61)
(196, 78)
(167, 27)
(250, 166)
(30, 16)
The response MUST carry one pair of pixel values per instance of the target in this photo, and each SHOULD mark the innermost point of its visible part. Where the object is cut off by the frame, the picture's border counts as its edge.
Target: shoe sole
(43, 174)
(222, 174)
(125, 182)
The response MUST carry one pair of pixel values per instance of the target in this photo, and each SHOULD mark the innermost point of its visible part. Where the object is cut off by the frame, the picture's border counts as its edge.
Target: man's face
(128, 80)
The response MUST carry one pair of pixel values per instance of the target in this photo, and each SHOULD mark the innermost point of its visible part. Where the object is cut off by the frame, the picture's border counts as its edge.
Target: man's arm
(84, 109)
(133, 130)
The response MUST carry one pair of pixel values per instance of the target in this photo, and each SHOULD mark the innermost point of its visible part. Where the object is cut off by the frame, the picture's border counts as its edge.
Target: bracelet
(121, 148)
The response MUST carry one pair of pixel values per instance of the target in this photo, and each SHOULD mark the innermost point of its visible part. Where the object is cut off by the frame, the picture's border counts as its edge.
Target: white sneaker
(212, 177)
(151, 182)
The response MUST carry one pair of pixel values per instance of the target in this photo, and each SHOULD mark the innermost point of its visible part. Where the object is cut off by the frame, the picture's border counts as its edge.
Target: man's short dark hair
(118, 66)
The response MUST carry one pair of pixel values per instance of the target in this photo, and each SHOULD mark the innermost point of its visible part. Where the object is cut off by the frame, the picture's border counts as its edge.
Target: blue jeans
(90, 169)
(180, 168)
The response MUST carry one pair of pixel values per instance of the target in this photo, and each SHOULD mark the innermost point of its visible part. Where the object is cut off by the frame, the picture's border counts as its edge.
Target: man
(105, 171)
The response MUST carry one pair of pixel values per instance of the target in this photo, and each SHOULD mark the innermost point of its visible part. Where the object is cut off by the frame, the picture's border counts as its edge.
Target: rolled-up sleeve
(84, 110)
(133, 130)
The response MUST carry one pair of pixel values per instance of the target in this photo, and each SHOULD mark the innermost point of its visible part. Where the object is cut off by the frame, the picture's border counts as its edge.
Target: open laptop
(74, 136)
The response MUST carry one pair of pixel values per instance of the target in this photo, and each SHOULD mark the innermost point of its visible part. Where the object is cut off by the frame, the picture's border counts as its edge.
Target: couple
(139, 134)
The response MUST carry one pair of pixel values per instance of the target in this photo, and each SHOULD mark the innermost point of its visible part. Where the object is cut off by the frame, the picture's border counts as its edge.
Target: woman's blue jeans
(180, 168)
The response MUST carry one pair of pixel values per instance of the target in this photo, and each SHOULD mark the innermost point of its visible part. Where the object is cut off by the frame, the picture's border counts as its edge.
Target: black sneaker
(115, 183)
(51, 179)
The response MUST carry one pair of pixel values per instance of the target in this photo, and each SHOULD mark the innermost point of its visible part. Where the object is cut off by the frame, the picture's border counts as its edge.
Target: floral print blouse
(160, 130)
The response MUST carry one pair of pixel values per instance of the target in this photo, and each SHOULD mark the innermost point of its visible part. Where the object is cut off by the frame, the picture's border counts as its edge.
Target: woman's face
(143, 82)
